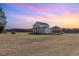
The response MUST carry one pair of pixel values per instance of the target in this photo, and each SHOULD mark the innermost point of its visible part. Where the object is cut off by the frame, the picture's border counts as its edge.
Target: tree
(2, 20)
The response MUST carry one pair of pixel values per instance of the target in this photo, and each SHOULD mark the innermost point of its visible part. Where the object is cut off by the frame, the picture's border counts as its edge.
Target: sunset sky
(22, 15)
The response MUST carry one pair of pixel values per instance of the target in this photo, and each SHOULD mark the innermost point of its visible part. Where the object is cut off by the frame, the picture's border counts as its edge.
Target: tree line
(69, 30)
(64, 30)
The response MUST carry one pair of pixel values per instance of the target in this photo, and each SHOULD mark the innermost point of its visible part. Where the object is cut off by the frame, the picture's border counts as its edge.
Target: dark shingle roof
(56, 27)
(42, 23)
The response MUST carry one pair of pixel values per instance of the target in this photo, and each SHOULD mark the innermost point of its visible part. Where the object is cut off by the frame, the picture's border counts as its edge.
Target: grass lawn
(24, 44)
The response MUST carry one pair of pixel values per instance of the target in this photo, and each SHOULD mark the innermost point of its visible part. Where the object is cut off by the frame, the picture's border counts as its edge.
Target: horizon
(24, 15)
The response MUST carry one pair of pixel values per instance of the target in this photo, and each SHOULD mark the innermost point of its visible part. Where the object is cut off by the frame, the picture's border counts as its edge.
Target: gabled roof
(42, 23)
(56, 27)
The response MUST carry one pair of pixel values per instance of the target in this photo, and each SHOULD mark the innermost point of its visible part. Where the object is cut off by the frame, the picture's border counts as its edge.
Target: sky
(24, 15)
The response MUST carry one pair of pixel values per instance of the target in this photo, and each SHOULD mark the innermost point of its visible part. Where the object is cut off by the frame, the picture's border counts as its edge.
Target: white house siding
(41, 28)
(36, 31)
(47, 30)
(36, 25)
(41, 31)
(44, 26)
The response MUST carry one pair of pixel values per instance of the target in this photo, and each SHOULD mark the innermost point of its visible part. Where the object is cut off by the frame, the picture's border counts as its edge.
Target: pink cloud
(28, 18)
(68, 19)
(32, 6)
(57, 8)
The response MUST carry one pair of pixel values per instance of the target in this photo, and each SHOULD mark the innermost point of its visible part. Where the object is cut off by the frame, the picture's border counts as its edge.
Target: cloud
(56, 15)
(69, 20)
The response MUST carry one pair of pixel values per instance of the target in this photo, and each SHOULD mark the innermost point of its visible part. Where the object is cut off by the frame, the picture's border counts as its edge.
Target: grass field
(24, 44)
